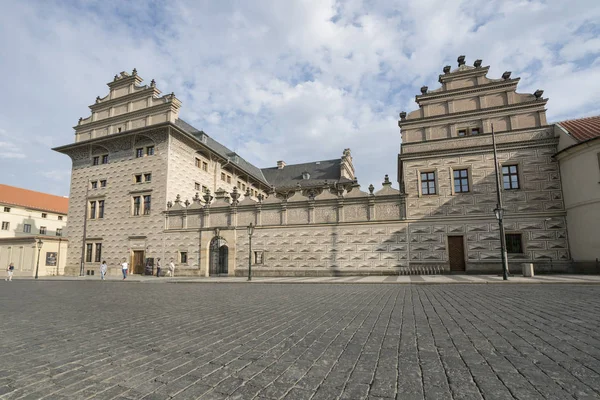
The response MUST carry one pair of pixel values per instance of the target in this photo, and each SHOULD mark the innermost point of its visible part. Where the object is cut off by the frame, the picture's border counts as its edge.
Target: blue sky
(277, 80)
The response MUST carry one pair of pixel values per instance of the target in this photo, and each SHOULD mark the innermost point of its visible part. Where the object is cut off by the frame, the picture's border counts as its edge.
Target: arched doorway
(219, 256)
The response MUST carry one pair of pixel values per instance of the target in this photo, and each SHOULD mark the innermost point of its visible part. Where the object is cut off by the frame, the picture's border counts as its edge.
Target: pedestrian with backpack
(9, 272)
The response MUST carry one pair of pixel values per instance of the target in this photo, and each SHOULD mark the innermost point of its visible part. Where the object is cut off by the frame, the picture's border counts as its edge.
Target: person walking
(158, 267)
(171, 268)
(9, 272)
(124, 267)
(103, 269)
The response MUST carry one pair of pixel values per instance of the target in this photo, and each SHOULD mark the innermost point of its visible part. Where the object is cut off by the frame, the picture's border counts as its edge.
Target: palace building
(145, 184)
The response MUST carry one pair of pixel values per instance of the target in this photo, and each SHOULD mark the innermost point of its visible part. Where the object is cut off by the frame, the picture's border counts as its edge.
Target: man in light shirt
(124, 267)
(171, 268)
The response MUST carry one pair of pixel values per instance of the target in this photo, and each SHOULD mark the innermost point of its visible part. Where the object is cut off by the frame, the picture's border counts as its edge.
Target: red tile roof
(583, 129)
(15, 196)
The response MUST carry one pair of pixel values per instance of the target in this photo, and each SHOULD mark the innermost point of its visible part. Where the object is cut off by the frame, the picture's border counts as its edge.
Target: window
(59, 232)
(94, 184)
(88, 252)
(204, 189)
(462, 132)
(469, 131)
(147, 200)
(98, 252)
(258, 257)
(428, 183)
(474, 131)
(5, 225)
(183, 257)
(103, 183)
(136, 205)
(92, 210)
(44, 215)
(204, 166)
(60, 217)
(461, 180)
(222, 176)
(228, 179)
(42, 230)
(96, 160)
(100, 208)
(239, 184)
(244, 187)
(197, 162)
(150, 150)
(139, 152)
(119, 129)
(514, 243)
(27, 228)
(510, 177)
(147, 177)
(6, 209)
(196, 186)
(105, 159)
(138, 178)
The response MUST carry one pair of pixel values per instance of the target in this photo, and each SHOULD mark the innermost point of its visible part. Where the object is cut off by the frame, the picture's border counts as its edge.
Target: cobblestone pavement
(133, 340)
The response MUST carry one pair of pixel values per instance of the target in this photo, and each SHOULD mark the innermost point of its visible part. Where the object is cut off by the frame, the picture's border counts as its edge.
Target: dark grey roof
(319, 171)
(222, 151)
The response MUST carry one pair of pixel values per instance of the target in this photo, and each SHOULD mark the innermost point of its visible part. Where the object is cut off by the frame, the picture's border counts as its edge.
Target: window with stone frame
(96, 160)
(204, 166)
(27, 228)
(103, 183)
(137, 205)
(42, 230)
(228, 179)
(105, 159)
(98, 255)
(100, 209)
(147, 202)
(94, 184)
(514, 243)
(428, 183)
(88, 252)
(183, 257)
(139, 152)
(150, 150)
(58, 232)
(147, 177)
(461, 180)
(198, 162)
(6, 209)
(44, 215)
(510, 177)
(196, 186)
(137, 178)
(258, 257)
(92, 210)
(223, 176)
(5, 225)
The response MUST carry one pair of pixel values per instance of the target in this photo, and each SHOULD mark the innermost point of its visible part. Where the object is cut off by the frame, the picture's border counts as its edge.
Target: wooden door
(137, 266)
(456, 253)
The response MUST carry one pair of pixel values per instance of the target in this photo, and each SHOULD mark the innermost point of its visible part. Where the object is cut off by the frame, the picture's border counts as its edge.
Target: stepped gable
(469, 103)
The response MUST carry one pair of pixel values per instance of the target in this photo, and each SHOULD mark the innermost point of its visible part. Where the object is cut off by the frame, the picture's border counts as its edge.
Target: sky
(288, 80)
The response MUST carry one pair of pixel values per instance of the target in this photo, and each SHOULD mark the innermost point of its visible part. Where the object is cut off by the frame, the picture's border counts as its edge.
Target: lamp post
(250, 232)
(39, 247)
(499, 212)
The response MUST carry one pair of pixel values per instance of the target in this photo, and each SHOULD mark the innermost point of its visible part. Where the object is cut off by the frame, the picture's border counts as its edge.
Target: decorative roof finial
(477, 63)
(506, 75)
(116, 76)
(134, 72)
(80, 119)
(538, 94)
(169, 204)
(371, 189)
(152, 83)
(386, 180)
(187, 203)
(178, 199)
(403, 116)
(172, 94)
(461, 60)
(447, 69)
(424, 89)
(97, 99)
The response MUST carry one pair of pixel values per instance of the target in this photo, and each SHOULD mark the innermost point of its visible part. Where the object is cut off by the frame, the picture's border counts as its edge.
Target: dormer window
(305, 175)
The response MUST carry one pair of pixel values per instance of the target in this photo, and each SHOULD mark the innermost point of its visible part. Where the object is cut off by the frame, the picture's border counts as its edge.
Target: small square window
(94, 184)
(5, 225)
(183, 257)
(27, 228)
(462, 132)
(6, 209)
(44, 215)
(147, 177)
(139, 153)
(60, 217)
(510, 177)
(196, 186)
(474, 131)
(138, 178)
(204, 189)
(461, 180)
(96, 160)
(42, 230)
(258, 257)
(204, 166)
(150, 150)
(105, 159)
(514, 243)
(103, 183)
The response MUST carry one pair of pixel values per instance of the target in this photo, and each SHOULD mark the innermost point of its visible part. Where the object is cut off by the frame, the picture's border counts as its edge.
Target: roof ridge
(578, 119)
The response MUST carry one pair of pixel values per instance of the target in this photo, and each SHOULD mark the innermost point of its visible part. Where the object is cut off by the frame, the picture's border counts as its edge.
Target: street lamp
(250, 232)
(39, 247)
(499, 212)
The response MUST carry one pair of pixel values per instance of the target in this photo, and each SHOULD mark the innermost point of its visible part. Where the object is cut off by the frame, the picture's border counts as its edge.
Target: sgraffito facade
(441, 218)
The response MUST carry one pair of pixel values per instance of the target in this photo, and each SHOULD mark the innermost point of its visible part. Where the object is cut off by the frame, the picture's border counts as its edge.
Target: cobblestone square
(135, 340)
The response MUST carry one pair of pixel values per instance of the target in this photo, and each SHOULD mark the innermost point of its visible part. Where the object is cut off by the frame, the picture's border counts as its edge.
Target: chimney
(280, 164)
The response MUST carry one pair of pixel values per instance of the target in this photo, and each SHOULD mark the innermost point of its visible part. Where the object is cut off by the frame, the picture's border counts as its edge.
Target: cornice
(127, 97)
(473, 89)
(472, 113)
(124, 117)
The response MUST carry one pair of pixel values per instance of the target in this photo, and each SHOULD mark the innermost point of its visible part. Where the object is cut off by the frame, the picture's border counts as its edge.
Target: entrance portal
(219, 256)
(456, 253)
(137, 264)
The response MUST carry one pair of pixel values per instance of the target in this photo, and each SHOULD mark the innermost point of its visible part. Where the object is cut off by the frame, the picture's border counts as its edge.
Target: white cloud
(293, 80)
